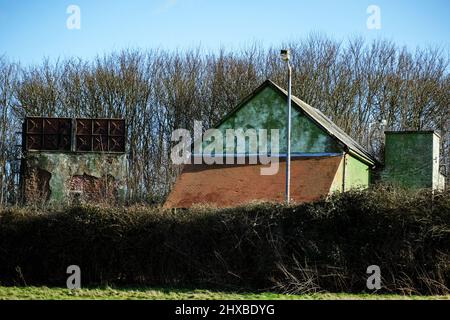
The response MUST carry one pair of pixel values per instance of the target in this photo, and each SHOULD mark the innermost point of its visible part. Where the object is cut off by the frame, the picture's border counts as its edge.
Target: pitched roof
(318, 117)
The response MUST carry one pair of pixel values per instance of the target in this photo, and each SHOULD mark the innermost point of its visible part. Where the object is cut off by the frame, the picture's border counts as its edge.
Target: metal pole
(288, 154)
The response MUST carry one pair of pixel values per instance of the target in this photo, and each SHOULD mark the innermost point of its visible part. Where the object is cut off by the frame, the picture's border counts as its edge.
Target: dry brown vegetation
(315, 247)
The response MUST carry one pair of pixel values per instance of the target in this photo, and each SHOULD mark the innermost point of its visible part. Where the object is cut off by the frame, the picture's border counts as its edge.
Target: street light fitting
(285, 54)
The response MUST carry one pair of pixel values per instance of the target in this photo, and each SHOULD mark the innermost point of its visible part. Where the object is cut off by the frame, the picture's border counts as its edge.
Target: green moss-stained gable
(268, 110)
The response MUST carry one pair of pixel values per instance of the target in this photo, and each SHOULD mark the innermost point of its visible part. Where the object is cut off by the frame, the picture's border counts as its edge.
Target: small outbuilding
(324, 158)
(412, 160)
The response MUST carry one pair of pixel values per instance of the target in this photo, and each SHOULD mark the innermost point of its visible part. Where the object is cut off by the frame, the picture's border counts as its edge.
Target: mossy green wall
(267, 110)
(357, 174)
(63, 166)
(411, 159)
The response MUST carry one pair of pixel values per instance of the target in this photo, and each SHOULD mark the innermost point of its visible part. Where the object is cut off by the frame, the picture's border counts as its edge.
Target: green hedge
(326, 245)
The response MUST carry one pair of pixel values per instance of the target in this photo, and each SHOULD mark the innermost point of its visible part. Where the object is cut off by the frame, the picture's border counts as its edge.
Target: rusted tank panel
(100, 135)
(47, 134)
(231, 185)
(64, 177)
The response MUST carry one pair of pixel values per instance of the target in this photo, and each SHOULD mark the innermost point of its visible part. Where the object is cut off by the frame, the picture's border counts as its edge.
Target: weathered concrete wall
(436, 183)
(441, 182)
(64, 177)
(231, 185)
(412, 159)
(357, 175)
(338, 181)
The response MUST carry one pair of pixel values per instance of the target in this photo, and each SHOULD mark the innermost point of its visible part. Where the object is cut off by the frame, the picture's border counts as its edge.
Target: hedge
(322, 246)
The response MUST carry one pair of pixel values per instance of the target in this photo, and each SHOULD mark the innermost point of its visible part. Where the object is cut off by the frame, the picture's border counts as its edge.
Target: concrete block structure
(73, 160)
(412, 160)
(324, 158)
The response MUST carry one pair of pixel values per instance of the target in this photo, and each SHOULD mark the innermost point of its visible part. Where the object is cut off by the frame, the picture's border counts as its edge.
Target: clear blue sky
(33, 29)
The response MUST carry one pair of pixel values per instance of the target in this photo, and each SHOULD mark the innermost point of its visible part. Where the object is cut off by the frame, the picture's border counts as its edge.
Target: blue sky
(33, 29)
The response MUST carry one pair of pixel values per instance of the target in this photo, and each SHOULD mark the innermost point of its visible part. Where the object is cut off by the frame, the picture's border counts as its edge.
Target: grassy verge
(45, 293)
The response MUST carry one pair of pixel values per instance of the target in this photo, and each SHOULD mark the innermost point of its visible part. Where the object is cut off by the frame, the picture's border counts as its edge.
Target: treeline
(323, 246)
(354, 82)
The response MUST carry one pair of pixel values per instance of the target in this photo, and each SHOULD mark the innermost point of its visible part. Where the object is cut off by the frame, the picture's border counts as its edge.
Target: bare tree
(157, 91)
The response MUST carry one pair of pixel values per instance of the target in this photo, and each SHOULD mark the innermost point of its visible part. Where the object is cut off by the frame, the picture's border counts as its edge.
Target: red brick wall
(231, 185)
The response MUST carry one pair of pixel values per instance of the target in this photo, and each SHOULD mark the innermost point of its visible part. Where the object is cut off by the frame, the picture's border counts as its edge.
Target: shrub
(325, 245)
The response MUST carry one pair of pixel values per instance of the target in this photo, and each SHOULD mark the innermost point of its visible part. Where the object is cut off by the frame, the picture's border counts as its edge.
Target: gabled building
(324, 158)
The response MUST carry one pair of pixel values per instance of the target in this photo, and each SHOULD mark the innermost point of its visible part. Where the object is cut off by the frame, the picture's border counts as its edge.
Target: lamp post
(285, 55)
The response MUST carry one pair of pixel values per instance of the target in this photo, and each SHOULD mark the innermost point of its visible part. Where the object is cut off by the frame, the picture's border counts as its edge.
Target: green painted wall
(267, 110)
(411, 159)
(63, 166)
(357, 174)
